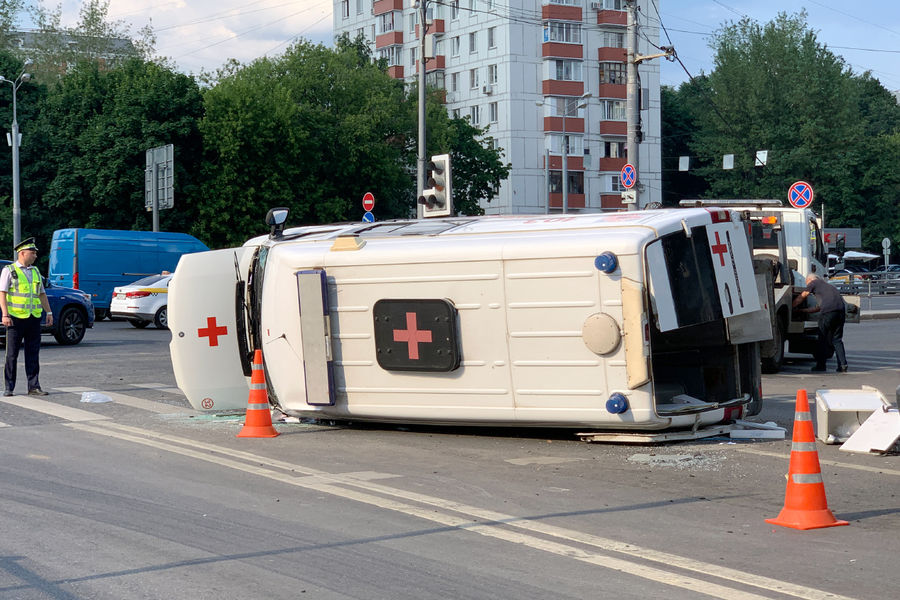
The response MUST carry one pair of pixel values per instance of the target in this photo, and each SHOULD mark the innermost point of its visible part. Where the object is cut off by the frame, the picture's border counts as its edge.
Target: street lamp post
(565, 147)
(14, 142)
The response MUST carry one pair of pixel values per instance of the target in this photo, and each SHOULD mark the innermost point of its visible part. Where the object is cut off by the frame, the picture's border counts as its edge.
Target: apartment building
(545, 77)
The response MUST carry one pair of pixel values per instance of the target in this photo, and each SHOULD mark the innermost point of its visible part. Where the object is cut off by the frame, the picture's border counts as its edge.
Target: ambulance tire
(161, 319)
(773, 350)
(139, 324)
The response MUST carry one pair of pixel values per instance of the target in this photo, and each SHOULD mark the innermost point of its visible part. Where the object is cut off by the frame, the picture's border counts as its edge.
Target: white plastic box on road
(840, 412)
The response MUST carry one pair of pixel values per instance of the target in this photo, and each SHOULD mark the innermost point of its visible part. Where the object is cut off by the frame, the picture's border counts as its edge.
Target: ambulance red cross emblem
(416, 335)
(212, 331)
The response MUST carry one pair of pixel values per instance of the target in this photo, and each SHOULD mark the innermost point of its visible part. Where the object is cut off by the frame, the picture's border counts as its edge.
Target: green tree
(90, 143)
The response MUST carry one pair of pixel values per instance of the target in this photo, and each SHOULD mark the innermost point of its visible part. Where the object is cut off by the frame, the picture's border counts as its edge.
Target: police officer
(832, 313)
(22, 301)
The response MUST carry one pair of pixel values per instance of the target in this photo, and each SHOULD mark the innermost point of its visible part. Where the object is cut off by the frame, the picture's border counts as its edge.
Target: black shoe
(37, 392)
(818, 369)
(842, 369)
(8, 393)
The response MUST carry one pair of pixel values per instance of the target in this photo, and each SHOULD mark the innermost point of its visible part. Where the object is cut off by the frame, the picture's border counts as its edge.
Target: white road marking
(830, 463)
(2, 424)
(481, 521)
(51, 408)
(158, 386)
(541, 460)
(133, 401)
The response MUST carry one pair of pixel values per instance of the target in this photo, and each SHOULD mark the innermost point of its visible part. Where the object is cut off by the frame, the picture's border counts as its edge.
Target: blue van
(97, 260)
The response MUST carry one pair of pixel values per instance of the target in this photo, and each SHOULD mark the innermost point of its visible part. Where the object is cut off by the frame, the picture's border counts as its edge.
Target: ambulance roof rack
(730, 202)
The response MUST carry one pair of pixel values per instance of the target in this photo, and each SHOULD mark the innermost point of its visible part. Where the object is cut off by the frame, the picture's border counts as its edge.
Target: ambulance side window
(816, 247)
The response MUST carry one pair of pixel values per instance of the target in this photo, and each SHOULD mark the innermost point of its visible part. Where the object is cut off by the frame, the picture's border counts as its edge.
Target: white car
(143, 302)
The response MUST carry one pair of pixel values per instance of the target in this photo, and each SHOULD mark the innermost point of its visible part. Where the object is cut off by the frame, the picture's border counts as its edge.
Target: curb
(878, 314)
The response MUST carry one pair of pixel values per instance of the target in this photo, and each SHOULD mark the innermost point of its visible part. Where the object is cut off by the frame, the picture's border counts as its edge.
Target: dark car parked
(73, 313)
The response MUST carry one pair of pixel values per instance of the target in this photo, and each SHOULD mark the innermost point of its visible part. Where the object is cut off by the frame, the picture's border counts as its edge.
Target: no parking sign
(800, 195)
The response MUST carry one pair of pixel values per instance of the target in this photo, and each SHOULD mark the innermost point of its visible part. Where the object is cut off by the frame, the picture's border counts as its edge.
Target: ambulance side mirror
(275, 219)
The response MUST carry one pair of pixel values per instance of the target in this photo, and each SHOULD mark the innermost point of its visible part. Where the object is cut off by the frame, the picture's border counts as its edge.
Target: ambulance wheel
(773, 359)
(161, 320)
(139, 324)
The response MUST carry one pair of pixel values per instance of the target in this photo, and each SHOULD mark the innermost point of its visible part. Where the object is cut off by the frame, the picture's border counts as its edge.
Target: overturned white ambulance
(643, 320)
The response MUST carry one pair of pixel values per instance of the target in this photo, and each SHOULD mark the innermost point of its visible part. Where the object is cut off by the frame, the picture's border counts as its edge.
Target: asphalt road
(142, 498)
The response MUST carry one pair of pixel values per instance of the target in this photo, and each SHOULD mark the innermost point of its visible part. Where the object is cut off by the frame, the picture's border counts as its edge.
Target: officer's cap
(26, 245)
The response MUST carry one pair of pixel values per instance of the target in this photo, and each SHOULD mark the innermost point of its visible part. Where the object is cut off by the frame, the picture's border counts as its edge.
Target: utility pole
(420, 172)
(632, 102)
(632, 94)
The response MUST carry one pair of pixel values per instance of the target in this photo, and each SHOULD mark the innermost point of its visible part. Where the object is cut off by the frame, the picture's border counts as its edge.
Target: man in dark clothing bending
(832, 312)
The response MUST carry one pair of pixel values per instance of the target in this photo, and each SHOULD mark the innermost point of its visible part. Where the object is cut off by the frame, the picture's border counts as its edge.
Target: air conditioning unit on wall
(596, 5)
(487, 89)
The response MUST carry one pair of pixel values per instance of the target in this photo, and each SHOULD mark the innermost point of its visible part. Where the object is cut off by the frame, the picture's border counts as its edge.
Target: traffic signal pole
(420, 172)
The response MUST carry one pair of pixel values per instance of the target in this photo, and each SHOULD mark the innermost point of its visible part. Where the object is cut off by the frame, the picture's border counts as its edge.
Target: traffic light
(436, 199)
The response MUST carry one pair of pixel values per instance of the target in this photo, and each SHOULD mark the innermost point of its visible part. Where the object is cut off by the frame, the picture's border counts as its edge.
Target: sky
(203, 34)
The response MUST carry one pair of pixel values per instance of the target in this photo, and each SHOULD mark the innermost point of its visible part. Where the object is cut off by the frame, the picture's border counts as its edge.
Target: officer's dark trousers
(23, 333)
(831, 338)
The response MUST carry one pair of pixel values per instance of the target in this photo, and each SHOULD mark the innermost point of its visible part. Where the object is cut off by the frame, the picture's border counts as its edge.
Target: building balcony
(611, 202)
(573, 124)
(379, 7)
(436, 27)
(613, 128)
(558, 49)
(433, 64)
(390, 38)
(611, 90)
(396, 72)
(612, 17)
(574, 200)
(559, 12)
(611, 164)
(576, 163)
(607, 54)
(552, 87)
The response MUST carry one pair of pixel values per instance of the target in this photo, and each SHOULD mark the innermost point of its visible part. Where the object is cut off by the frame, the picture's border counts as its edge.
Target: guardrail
(865, 284)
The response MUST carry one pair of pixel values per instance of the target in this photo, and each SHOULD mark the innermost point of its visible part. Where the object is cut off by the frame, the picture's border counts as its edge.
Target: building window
(566, 70)
(473, 42)
(576, 182)
(392, 54)
(345, 9)
(562, 31)
(612, 110)
(492, 74)
(454, 46)
(475, 114)
(473, 78)
(360, 8)
(492, 112)
(413, 18)
(574, 144)
(413, 52)
(361, 33)
(435, 79)
(454, 82)
(615, 183)
(611, 39)
(566, 2)
(565, 106)
(386, 22)
(492, 37)
(454, 9)
(612, 4)
(455, 113)
(612, 72)
(613, 149)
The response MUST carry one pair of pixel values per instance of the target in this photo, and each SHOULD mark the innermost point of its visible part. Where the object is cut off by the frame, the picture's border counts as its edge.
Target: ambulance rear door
(207, 318)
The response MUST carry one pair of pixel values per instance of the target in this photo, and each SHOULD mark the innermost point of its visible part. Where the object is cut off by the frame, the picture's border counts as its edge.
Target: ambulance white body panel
(645, 320)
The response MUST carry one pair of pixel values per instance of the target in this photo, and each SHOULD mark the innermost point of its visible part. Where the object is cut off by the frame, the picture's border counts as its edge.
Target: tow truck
(787, 246)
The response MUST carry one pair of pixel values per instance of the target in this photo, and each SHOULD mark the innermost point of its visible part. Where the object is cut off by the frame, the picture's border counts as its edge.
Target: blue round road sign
(628, 176)
(800, 195)
(368, 217)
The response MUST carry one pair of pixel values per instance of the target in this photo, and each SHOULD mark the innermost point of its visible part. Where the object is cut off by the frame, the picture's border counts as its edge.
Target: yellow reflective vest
(24, 297)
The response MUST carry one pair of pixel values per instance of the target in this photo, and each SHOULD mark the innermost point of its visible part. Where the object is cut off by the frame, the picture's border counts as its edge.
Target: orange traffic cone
(805, 506)
(258, 423)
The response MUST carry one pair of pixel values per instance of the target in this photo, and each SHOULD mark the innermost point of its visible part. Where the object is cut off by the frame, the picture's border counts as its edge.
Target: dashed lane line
(822, 461)
(52, 408)
(132, 401)
(483, 522)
